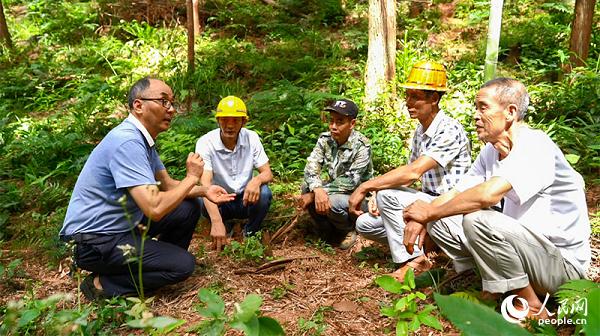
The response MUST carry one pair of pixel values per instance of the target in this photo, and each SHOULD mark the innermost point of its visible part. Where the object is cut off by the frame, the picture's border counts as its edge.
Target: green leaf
(475, 319)
(409, 278)
(572, 158)
(400, 304)
(401, 328)
(593, 317)
(215, 307)
(427, 309)
(250, 327)
(389, 284)
(429, 278)
(414, 324)
(248, 308)
(388, 311)
(431, 321)
(165, 323)
(210, 328)
(28, 316)
(269, 327)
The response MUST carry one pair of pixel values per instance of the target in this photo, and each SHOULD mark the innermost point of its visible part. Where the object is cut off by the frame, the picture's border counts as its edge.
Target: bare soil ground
(337, 286)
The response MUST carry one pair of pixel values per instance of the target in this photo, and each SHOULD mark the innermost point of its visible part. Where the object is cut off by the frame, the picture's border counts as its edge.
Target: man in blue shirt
(123, 190)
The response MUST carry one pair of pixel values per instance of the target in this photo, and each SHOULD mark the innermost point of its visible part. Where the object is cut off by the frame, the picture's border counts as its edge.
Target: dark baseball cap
(343, 106)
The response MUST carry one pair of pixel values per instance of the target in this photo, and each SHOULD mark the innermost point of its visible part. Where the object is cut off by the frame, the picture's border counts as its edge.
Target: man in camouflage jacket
(340, 162)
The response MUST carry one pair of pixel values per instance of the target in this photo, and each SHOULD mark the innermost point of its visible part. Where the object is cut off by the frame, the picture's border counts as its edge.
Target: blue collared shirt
(125, 158)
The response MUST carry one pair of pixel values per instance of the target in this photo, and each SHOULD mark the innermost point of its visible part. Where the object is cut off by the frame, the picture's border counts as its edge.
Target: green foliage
(475, 319)
(580, 300)
(280, 292)
(316, 325)
(320, 245)
(404, 310)
(144, 319)
(251, 249)
(246, 316)
(7, 272)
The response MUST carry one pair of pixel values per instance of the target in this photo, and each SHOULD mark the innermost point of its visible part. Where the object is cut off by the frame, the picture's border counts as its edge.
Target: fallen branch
(286, 228)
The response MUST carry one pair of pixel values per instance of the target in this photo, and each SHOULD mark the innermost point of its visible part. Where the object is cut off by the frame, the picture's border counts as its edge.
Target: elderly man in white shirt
(540, 240)
(230, 154)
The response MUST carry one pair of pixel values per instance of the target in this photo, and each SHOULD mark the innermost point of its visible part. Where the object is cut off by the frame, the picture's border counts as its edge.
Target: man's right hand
(355, 202)
(218, 235)
(322, 204)
(194, 165)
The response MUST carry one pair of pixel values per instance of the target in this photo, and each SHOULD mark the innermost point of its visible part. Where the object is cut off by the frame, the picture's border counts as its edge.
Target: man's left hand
(412, 231)
(251, 192)
(419, 211)
(218, 194)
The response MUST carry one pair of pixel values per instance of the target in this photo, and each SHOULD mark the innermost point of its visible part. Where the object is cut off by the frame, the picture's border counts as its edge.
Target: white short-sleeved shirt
(232, 169)
(547, 194)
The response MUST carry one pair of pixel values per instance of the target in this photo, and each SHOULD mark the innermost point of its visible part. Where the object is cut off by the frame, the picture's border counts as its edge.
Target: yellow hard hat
(426, 75)
(231, 106)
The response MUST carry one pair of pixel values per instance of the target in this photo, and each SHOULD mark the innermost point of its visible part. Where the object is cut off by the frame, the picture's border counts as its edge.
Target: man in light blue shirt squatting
(440, 156)
(124, 188)
(345, 156)
(231, 153)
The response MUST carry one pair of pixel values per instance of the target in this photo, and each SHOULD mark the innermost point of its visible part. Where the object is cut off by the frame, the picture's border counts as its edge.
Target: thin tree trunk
(493, 39)
(581, 31)
(381, 61)
(4, 33)
(195, 4)
(190, 29)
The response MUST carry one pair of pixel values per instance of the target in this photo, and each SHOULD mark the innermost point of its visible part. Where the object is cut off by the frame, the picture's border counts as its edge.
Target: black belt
(431, 193)
(79, 238)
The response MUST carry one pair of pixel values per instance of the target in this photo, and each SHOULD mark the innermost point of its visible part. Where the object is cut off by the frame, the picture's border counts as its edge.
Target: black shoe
(90, 291)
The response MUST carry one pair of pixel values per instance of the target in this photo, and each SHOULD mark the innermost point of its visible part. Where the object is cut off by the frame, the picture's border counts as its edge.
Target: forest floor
(328, 288)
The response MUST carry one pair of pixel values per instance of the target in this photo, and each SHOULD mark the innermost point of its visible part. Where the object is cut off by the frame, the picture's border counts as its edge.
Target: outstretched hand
(218, 194)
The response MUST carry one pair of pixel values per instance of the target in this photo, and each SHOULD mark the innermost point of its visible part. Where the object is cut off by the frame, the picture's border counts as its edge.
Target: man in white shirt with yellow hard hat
(231, 153)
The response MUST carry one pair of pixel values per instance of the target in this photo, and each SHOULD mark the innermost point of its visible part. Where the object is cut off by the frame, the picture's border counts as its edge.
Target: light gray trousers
(389, 227)
(509, 255)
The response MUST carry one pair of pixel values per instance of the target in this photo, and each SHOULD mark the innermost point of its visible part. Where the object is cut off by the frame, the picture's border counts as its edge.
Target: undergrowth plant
(250, 249)
(316, 324)
(409, 316)
(246, 316)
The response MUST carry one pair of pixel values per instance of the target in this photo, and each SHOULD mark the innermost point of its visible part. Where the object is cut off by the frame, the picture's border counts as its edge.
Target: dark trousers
(165, 261)
(255, 213)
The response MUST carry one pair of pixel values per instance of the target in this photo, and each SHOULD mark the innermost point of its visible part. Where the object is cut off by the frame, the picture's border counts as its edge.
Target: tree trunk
(4, 33)
(493, 39)
(381, 61)
(581, 31)
(190, 30)
(197, 26)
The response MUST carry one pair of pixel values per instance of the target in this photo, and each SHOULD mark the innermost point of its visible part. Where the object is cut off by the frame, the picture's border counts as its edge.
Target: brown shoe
(90, 291)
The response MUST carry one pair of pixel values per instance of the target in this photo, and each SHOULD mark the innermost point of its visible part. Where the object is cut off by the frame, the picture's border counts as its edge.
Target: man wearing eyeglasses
(124, 191)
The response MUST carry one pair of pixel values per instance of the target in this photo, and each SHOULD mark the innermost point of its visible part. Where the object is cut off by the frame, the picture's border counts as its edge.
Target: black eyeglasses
(164, 102)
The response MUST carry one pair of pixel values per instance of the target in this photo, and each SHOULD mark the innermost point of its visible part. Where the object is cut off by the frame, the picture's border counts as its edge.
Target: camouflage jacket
(338, 169)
